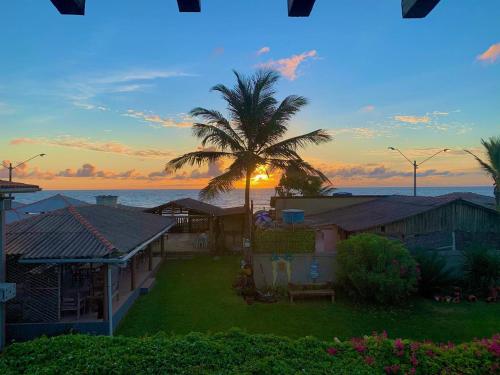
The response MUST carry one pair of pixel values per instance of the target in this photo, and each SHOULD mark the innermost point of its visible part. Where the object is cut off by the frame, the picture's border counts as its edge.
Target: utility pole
(416, 165)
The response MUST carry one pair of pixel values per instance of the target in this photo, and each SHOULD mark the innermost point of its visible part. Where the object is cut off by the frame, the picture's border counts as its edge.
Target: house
(203, 226)
(7, 290)
(22, 211)
(448, 222)
(80, 268)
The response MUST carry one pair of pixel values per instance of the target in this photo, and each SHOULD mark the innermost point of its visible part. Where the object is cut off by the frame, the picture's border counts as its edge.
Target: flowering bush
(375, 268)
(236, 352)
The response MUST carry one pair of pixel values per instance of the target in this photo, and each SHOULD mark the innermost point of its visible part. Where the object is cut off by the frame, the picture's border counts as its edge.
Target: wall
(316, 205)
(299, 267)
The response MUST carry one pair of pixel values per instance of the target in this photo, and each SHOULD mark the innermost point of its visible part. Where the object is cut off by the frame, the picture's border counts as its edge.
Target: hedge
(236, 352)
(283, 241)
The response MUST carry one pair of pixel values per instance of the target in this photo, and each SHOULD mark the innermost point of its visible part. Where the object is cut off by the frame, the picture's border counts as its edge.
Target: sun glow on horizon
(260, 176)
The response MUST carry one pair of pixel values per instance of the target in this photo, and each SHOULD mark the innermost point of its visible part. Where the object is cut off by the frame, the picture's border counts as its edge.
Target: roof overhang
(118, 260)
(9, 187)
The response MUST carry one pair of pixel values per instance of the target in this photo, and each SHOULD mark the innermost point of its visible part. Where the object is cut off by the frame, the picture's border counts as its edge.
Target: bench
(312, 293)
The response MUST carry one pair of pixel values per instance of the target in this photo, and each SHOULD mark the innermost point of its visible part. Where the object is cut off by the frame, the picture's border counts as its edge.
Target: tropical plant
(481, 268)
(434, 272)
(293, 182)
(492, 164)
(251, 137)
(374, 268)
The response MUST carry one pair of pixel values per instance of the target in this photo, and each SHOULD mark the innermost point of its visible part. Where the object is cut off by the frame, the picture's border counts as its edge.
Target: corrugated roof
(380, 211)
(91, 231)
(200, 207)
(52, 203)
(482, 200)
(17, 187)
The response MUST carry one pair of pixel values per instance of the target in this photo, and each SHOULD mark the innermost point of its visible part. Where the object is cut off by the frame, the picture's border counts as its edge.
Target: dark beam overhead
(76, 7)
(300, 8)
(189, 5)
(417, 8)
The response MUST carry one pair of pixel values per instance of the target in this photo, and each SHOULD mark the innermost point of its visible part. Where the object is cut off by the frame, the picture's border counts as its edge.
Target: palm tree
(251, 137)
(492, 164)
(294, 183)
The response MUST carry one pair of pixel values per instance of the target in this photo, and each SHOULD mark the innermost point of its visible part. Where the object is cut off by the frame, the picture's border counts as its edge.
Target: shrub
(434, 274)
(236, 352)
(282, 241)
(481, 268)
(374, 268)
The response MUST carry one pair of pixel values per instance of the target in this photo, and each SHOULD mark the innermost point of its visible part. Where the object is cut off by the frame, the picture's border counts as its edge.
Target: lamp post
(11, 168)
(416, 165)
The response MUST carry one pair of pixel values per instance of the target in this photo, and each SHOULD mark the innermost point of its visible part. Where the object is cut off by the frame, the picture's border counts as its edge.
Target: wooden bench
(312, 293)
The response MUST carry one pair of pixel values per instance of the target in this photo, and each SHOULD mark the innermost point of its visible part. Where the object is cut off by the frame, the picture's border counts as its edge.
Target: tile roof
(380, 211)
(200, 207)
(17, 187)
(91, 231)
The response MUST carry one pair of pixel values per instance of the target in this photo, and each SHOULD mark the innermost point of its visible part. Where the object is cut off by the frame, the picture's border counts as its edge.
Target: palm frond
(292, 144)
(300, 165)
(224, 182)
(210, 134)
(213, 117)
(195, 158)
(487, 167)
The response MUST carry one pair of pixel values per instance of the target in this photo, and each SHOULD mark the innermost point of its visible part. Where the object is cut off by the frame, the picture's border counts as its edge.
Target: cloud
(184, 121)
(413, 119)
(491, 54)
(263, 51)
(90, 145)
(23, 171)
(368, 108)
(139, 75)
(380, 172)
(88, 170)
(359, 132)
(288, 66)
(218, 51)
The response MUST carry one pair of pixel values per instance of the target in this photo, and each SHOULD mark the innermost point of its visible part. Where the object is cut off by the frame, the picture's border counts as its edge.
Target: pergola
(296, 8)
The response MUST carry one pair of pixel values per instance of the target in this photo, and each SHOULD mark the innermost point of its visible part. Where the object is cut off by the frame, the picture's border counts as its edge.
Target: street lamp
(416, 165)
(11, 168)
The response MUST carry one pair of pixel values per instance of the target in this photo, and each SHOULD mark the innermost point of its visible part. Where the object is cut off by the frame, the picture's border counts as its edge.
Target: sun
(260, 175)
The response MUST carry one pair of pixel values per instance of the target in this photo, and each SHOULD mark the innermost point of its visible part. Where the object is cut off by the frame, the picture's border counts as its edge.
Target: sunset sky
(106, 95)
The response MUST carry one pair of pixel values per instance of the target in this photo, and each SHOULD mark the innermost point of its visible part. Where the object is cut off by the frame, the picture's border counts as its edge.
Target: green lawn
(196, 295)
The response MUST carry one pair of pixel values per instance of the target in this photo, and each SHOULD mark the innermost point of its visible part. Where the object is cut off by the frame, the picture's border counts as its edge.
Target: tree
(492, 164)
(294, 182)
(252, 136)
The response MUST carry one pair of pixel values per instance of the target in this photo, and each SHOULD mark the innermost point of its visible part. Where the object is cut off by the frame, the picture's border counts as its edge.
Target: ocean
(260, 197)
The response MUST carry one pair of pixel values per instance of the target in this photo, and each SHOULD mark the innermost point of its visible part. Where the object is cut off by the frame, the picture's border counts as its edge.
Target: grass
(196, 295)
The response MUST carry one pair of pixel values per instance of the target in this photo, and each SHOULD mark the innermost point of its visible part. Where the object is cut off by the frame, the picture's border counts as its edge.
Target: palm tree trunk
(248, 222)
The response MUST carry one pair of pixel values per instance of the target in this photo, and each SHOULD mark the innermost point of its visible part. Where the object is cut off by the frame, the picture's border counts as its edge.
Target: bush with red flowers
(236, 352)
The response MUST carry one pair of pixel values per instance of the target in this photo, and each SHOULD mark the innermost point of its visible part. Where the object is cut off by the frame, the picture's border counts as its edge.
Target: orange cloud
(263, 50)
(288, 66)
(491, 54)
(413, 119)
(165, 122)
(368, 108)
(87, 144)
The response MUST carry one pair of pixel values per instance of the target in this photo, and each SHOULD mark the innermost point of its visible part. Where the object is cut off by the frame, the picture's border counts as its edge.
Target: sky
(106, 96)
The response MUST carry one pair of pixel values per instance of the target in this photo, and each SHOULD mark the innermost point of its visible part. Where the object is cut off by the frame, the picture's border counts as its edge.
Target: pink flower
(369, 360)
(394, 369)
(414, 361)
(494, 348)
(414, 346)
(430, 353)
(332, 351)
(358, 344)
(399, 344)
(413, 371)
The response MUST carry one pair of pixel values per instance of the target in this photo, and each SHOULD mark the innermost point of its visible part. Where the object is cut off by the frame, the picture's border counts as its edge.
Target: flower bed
(236, 352)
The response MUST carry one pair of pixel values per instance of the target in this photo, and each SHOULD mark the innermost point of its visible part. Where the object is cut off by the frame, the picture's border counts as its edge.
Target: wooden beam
(300, 8)
(162, 246)
(132, 274)
(75, 7)
(189, 5)
(150, 258)
(417, 8)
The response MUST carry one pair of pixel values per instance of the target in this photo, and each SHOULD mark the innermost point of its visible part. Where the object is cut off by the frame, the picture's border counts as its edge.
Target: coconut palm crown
(252, 136)
(492, 164)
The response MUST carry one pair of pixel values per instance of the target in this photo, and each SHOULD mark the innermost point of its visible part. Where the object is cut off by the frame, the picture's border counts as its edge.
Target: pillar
(132, 273)
(150, 258)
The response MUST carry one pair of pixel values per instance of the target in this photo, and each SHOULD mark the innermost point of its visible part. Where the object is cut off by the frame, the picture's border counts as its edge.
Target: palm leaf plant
(252, 136)
(491, 164)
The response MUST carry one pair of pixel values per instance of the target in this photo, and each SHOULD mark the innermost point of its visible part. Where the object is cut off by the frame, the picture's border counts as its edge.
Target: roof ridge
(92, 230)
